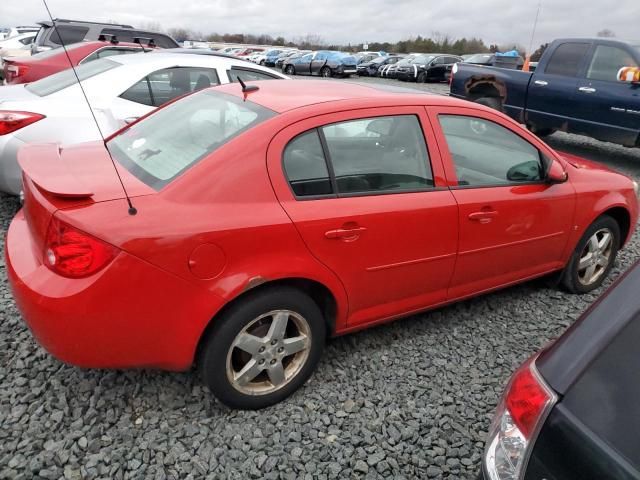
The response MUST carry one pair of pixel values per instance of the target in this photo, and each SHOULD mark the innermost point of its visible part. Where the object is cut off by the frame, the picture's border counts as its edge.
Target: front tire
(263, 348)
(290, 70)
(326, 72)
(593, 257)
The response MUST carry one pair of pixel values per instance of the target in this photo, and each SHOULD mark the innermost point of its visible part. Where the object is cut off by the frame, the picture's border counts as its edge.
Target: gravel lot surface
(412, 399)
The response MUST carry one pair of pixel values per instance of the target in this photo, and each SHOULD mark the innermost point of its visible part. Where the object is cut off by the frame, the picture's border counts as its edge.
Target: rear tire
(491, 102)
(256, 336)
(593, 257)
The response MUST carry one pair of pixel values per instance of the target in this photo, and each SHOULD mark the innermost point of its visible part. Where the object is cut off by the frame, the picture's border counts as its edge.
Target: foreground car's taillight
(519, 417)
(72, 253)
(12, 121)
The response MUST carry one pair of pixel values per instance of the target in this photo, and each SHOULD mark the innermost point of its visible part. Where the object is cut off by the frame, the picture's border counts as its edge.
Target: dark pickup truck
(575, 88)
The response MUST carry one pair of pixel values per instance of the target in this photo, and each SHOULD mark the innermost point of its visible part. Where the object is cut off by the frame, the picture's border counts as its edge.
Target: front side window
(173, 139)
(567, 59)
(485, 153)
(607, 61)
(164, 85)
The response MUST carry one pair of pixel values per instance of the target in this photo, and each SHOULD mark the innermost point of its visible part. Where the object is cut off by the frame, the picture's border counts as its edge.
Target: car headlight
(517, 422)
(636, 188)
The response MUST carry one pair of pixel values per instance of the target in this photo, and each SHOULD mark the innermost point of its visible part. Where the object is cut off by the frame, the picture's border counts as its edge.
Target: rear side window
(372, 155)
(607, 61)
(109, 52)
(61, 80)
(306, 166)
(67, 34)
(247, 75)
(485, 153)
(164, 85)
(173, 139)
(567, 59)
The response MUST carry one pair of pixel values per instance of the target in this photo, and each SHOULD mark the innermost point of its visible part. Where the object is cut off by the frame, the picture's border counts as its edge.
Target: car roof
(285, 96)
(162, 58)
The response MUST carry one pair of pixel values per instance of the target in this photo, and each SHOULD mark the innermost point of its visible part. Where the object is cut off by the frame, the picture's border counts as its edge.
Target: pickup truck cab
(574, 88)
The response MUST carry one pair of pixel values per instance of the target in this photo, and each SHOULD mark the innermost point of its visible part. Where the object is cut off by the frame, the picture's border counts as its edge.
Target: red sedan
(30, 69)
(271, 219)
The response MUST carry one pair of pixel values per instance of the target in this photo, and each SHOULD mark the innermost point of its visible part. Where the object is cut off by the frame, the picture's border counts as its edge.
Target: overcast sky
(355, 21)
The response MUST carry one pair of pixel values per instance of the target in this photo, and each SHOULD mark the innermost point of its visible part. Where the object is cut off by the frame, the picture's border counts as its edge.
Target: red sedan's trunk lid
(59, 178)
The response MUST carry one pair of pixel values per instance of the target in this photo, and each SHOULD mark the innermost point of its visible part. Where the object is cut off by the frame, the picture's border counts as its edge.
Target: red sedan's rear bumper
(131, 314)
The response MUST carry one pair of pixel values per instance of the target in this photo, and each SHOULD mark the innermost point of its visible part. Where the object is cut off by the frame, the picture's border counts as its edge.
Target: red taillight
(12, 121)
(72, 253)
(527, 399)
(15, 71)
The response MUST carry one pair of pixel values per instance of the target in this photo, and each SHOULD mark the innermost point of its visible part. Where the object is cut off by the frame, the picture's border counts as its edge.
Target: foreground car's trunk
(56, 178)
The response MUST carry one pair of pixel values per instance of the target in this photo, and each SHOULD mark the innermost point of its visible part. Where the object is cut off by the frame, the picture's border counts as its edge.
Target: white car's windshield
(61, 80)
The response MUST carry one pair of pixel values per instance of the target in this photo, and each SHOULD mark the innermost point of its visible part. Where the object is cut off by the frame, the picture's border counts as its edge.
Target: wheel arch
(326, 299)
(623, 218)
(485, 87)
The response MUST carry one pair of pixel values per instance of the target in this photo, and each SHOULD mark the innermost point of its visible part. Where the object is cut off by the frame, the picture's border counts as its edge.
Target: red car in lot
(30, 69)
(268, 220)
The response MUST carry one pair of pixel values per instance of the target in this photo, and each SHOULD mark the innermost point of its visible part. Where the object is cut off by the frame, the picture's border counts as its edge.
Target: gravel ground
(412, 399)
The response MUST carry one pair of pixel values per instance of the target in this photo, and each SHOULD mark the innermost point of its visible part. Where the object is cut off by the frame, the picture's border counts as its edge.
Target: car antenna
(132, 210)
(247, 89)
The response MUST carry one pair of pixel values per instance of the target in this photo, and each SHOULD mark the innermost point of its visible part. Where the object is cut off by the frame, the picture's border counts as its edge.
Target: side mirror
(629, 75)
(556, 173)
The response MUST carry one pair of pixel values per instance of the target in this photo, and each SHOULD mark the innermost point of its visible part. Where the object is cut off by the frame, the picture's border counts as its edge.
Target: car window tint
(164, 85)
(567, 58)
(485, 153)
(378, 154)
(306, 167)
(67, 34)
(607, 61)
(247, 75)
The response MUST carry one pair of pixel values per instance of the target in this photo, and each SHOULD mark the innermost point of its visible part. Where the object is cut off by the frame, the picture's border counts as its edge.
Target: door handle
(587, 89)
(542, 83)
(347, 234)
(483, 216)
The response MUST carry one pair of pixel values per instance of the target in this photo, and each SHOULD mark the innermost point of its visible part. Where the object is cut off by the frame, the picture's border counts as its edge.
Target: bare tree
(606, 33)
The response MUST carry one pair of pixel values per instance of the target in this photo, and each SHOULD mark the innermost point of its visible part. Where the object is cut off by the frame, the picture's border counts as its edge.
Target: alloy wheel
(269, 352)
(595, 257)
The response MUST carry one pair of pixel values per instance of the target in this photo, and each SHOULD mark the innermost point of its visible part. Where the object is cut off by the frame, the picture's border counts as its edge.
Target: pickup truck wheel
(593, 257)
(491, 102)
(541, 132)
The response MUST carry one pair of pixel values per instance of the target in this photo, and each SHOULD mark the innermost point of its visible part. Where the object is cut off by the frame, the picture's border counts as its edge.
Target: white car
(18, 41)
(6, 33)
(120, 90)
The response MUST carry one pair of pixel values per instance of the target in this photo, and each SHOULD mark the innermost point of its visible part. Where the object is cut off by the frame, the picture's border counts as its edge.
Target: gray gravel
(410, 399)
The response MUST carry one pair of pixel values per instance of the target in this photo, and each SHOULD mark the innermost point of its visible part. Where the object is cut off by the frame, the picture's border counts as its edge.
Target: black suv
(573, 411)
(73, 31)
(428, 67)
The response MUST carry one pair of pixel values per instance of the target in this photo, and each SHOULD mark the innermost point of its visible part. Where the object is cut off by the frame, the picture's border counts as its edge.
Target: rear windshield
(61, 80)
(56, 51)
(175, 138)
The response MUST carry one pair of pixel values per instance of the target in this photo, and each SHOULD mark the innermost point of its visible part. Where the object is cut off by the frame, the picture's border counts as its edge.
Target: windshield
(173, 139)
(480, 58)
(423, 59)
(61, 80)
(378, 60)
